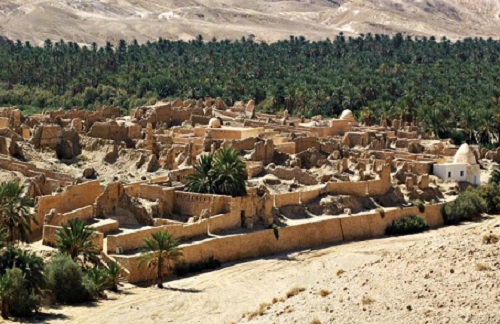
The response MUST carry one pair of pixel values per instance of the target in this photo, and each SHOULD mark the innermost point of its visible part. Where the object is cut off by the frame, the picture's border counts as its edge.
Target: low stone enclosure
(262, 243)
(216, 231)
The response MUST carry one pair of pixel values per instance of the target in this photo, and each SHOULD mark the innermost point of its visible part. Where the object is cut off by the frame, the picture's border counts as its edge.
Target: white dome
(347, 115)
(214, 123)
(464, 155)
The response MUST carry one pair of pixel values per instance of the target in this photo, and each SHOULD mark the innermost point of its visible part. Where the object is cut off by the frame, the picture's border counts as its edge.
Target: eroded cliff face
(101, 21)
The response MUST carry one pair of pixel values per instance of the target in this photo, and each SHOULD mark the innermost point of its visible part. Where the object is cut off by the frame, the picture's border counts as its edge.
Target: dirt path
(382, 280)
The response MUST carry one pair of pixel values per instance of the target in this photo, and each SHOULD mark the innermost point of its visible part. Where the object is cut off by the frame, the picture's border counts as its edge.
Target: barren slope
(86, 21)
(442, 276)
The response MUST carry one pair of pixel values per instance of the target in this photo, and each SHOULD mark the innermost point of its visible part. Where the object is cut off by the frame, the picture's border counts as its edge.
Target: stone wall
(134, 240)
(192, 204)
(263, 243)
(84, 213)
(284, 173)
(73, 197)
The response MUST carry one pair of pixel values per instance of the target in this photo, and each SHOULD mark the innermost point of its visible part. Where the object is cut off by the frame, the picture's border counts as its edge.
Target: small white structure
(214, 123)
(347, 115)
(463, 168)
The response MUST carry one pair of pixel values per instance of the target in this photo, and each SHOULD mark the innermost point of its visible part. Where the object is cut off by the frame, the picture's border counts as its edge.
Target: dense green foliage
(468, 205)
(162, 249)
(17, 296)
(15, 212)
(407, 225)
(31, 265)
(65, 280)
(21, 281)
(446, 85)
(490, 192)
(222, 173)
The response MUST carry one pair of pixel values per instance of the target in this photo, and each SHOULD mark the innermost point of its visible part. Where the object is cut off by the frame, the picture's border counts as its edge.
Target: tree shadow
(42, 317)
(185, 290)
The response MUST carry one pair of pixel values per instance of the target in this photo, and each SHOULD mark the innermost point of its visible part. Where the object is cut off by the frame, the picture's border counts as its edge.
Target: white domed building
(463, 168)
(347, 115)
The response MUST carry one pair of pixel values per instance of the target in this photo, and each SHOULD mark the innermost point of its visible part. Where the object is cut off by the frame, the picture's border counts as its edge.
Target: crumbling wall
(192, 204)
(263, 243)
(73, 197)
(58, 219)
(296, 173)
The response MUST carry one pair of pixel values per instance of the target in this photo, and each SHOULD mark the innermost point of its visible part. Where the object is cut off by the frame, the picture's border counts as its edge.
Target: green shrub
(29, 263)
(65, 280)
(468, 205)
(96, 281)
(491, 194)
(18, 298)
(420, 204)
(183, 269)
(407, 225)
(113, 273)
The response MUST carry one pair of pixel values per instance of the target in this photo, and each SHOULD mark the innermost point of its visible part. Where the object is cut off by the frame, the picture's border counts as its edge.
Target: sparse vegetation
(294, 292)
(490, 239)
(407, 225)
(367, 300)
(324, 292)
(340, 272)
(482, 267)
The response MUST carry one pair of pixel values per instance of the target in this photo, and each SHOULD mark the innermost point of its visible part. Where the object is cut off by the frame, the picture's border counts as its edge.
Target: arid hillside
(86, 21)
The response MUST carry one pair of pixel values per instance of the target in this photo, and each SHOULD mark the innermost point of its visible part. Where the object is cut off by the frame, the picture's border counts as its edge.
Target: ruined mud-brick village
(143, 184)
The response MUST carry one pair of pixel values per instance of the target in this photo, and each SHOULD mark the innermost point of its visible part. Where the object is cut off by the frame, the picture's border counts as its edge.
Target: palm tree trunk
(5, 310)
(11, 231)
(160, 273)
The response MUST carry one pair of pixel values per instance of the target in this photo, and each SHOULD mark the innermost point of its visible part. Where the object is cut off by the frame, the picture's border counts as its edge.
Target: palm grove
(452, 87)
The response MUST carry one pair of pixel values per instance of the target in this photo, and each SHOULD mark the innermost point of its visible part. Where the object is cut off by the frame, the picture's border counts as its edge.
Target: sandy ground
(441, 276)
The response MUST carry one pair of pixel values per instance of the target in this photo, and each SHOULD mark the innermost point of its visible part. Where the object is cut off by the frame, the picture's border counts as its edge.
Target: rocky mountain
(86, 21)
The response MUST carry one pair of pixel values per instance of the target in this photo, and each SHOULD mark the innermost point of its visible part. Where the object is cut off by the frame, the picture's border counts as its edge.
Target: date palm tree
(76, 239)
(114, 275)
(15, 210)
(229, 173)
(161, 251)
(222, 173)
(201, 181)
